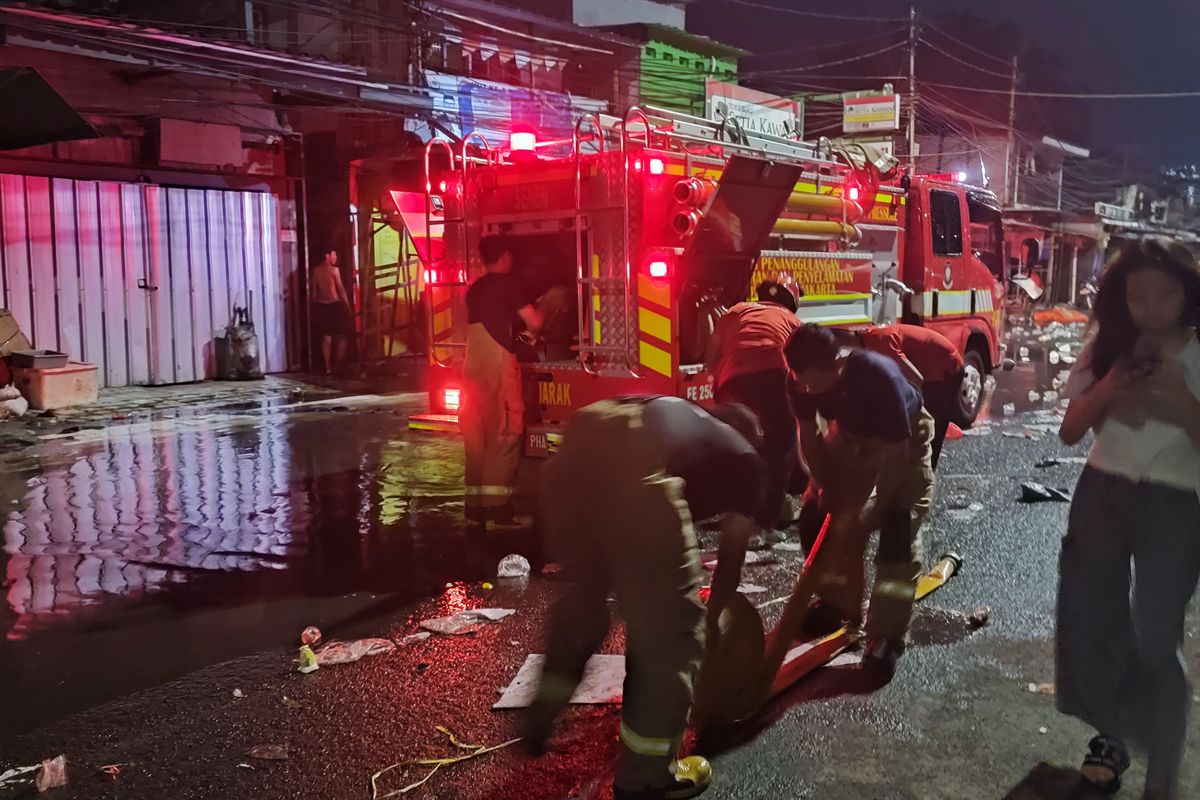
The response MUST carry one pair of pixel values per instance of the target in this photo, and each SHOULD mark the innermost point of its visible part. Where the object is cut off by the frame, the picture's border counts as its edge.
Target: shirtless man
(331, 315)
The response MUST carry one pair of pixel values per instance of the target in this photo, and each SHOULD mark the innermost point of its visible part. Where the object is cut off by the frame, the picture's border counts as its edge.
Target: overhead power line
(815, 14)
(1077, 95)
(925, 26)
(963, 61)
(811, 67)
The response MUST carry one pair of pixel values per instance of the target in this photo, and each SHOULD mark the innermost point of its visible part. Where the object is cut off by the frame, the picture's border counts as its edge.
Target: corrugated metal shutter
(137, 279)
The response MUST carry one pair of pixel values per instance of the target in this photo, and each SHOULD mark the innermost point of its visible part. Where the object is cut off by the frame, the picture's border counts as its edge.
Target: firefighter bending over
(618, 502)
(877, 439)
(745, 354)
(492, 412)
(930, 362)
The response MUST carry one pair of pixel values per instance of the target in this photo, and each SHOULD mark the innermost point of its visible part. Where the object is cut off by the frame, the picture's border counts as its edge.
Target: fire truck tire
(970, 397)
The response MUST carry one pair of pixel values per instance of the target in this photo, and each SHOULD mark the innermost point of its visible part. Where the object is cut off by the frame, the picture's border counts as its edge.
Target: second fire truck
(637, 233)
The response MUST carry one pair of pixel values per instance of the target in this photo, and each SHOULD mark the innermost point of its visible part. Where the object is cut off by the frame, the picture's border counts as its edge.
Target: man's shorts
(332, 319)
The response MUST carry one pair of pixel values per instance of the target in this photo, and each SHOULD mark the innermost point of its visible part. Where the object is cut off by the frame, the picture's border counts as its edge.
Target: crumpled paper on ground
(602, 683)
(465, 622)
(52, 775)
(349, 652)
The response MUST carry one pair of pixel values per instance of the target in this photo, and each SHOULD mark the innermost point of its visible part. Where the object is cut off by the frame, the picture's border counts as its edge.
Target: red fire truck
(637, 233)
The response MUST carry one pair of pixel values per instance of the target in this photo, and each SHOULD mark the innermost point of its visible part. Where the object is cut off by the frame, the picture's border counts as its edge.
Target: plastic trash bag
(513, 566)
(348, 652)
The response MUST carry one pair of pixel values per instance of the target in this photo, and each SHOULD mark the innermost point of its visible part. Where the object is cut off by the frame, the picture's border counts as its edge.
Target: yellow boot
(693, 775)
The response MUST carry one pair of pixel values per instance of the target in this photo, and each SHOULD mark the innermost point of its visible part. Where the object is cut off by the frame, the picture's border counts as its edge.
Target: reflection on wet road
(162, 546)
(137, 553)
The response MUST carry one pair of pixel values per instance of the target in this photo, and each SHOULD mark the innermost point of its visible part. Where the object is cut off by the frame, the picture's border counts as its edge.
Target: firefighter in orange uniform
(745, 354)
(492, 412)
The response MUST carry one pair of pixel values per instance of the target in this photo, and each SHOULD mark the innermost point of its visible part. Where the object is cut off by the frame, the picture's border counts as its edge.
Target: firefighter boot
(693, 775)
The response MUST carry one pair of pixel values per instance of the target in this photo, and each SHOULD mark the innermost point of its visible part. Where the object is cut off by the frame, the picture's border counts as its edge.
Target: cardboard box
(11, 337)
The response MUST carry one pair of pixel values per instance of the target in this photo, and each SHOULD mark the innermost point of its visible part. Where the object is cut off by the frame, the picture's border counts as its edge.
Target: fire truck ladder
(465, 160)
(593, 286)
(679, 130)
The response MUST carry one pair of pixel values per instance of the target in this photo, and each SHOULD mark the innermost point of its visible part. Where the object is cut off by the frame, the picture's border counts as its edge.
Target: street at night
(599, 400)
(137, 605)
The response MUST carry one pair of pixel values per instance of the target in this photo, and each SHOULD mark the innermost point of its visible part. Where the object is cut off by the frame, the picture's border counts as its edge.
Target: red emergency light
(435, 277)
(452, 398)
(657, 269)
(853, 193)
(525, 141)
(657, 167)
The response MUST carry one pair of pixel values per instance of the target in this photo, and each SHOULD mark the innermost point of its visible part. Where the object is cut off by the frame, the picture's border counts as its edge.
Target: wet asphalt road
(151, 572)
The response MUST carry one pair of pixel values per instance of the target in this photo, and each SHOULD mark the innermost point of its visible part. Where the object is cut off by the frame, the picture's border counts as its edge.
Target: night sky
(1103, 45)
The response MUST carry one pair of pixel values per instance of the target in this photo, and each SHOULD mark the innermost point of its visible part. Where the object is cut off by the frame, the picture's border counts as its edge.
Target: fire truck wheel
(970, 397)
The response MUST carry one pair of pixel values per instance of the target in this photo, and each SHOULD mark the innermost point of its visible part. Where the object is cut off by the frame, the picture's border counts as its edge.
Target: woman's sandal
(1105, 752)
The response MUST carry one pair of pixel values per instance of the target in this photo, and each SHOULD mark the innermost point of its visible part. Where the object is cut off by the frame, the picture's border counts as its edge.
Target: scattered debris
(269, 752)
(551, 569)
(513, 566)
(788, 547)
(1043, 688)
(1009, 409)
(1043, 730)
(1025, 434)
(963, 514)
(1060, 460)
(308, 660)
(753, 558)
(52, 775)
(953, 432)
(244, 765)
(348, 652)
(311, 636)
(290, 703)
(238, 693)
(465, 622)
(487, 587)
(17, 775)
(474, 751)
(978, 429)
(113, 770)
(412, 638)
(980, 617)
(602, 682)
(1037, 493)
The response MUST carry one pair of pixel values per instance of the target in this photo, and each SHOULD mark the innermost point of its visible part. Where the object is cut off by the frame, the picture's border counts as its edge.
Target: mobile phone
(1145, 366)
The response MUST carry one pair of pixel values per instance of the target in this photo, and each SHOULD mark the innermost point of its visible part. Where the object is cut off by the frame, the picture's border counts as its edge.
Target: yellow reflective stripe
(489, 491)
(644, 745)
(654, 324)
(846, 296)
(655, 358)
(648, 290)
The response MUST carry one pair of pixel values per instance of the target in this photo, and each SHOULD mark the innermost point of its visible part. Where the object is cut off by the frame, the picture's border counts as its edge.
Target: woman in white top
(1137, 385)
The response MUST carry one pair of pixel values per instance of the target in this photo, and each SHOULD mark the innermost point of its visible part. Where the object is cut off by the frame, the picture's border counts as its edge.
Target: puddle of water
(155, 549)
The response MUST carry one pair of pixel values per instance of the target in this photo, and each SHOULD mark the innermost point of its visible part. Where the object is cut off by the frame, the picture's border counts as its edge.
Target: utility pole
(912, 85)
(1013, 162)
